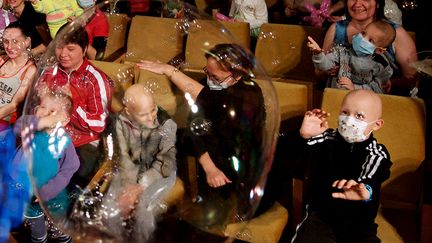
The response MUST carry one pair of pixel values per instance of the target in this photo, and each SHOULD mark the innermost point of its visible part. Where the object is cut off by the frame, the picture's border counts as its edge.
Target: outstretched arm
(181, 80)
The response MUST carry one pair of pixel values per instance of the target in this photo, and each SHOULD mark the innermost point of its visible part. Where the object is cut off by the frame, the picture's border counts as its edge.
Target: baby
(345, 169)
(54, 161)
(364, 66)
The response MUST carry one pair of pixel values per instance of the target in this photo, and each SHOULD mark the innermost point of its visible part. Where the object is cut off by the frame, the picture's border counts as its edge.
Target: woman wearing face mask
(402, 52)
(16, 71)
(230, 109)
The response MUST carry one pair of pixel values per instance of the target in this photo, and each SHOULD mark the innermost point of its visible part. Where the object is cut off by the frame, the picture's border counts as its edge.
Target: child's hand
(386, 87)
(351, 190)
(313, 46)
(51, 120)
(314, 123)
(216, 178)
(346, 83)
(128, 198)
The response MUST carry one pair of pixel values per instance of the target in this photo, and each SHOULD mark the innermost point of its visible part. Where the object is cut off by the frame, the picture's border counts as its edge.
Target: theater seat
(122, 76)
(116, 44)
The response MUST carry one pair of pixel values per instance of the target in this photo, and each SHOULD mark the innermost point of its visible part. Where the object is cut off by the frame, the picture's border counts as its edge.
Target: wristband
(369, 188)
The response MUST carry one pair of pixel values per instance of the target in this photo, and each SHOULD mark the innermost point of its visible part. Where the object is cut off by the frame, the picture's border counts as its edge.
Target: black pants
(314, 230)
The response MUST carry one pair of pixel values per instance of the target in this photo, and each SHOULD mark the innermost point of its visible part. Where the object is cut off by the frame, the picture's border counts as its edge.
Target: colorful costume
(57, 12)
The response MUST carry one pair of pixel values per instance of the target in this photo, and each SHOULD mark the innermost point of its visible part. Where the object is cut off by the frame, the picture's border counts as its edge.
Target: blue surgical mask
(361, 46)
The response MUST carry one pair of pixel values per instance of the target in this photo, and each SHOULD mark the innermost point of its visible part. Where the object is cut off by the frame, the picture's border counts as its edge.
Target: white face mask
(213, 85)
(352, 129)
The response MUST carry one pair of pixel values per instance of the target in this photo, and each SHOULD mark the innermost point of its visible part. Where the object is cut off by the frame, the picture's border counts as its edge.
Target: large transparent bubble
(196, 155)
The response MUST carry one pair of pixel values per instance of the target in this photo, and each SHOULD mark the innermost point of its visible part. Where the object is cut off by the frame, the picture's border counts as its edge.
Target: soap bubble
(114, 196)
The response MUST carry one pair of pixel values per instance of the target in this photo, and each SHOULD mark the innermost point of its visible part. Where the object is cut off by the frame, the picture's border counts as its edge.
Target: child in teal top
(54, 162)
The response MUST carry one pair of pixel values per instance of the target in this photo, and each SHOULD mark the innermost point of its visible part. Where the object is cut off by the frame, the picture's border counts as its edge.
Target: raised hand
(351, 190)
(313, 46)
(314, 123)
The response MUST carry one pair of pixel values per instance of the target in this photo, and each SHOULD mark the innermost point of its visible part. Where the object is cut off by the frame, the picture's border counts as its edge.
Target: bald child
(345, 170)
(146, 136)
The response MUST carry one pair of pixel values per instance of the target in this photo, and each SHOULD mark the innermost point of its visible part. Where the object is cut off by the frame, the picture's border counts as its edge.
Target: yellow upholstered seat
(282, 50)
(198, 42)
(122, 76)
(266, 228)
(166, 95)
(294, 98)
(403, 134)
(116, 44)
(153, 38)
(240, 32)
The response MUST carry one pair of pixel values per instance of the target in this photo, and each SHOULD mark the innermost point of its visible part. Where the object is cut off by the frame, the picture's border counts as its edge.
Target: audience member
(91, 97)
(345, 170)
(97, 29)
(16, 71)
(402, 52)
(363, 66)
(229, 90)
(146, 136)
(57, 12)
(34, 22)
(252, 11)
(6, 17)
(391, 11)
(54, 161)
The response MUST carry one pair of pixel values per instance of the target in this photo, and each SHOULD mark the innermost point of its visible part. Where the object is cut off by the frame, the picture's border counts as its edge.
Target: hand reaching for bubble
(313, 46)
(314, 123)
(155, 67)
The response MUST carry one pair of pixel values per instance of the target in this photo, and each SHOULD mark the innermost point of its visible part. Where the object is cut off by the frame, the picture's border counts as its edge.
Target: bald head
(140, 106)
(364, 101)
(137, 94)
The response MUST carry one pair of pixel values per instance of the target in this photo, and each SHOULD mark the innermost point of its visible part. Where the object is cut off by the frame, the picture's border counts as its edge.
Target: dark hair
(234, 58)
(76, 35)
(17, 25)
(379, 10)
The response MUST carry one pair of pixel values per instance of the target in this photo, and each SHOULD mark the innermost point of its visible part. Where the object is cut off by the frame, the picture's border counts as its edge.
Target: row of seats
(280, 48)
